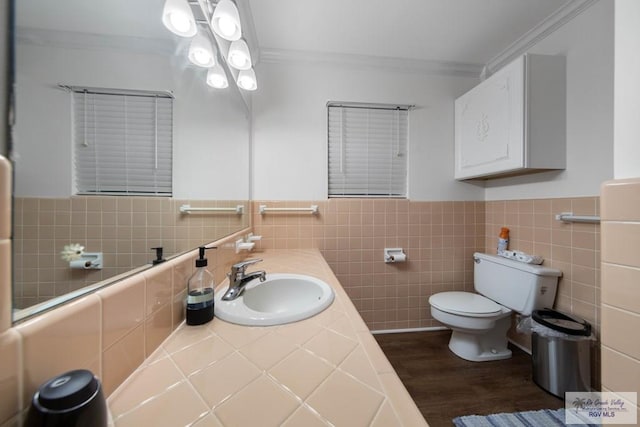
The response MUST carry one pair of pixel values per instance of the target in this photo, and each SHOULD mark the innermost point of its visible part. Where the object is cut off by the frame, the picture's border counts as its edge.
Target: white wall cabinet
(514, 122)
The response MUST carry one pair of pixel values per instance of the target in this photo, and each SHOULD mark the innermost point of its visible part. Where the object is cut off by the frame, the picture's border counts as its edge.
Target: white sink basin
(282, 298)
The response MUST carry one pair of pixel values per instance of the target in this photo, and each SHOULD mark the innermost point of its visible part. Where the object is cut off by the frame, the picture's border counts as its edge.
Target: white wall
(587, 43)
(290, 127)
(211, 128)
(290, 121)
(627, 89)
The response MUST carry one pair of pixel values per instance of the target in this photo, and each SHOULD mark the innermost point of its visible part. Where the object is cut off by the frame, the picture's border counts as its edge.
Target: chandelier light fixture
(223, 22)
(217, 78)
(201, 51)
(178, 18)
(247, 80)
(226, 20)
(239, 56)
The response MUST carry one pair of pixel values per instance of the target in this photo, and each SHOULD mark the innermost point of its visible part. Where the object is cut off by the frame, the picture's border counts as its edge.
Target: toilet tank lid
(530, 268)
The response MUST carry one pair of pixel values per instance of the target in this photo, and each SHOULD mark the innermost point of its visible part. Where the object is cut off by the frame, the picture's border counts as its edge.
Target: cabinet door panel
(490, 125)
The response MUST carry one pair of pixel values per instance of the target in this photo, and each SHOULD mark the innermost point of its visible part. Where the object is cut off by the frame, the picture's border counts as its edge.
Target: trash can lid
(68, 390)
(562, 322)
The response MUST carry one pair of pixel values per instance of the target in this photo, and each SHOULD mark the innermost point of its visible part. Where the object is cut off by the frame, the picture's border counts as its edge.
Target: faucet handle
(241, 266)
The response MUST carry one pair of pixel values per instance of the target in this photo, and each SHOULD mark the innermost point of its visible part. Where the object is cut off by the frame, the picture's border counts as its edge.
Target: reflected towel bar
(262, 209)
(239, 209)
(570, 217)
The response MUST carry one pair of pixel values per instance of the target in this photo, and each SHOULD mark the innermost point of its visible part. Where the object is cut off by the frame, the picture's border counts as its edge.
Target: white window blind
(368, 150)
(123, 143)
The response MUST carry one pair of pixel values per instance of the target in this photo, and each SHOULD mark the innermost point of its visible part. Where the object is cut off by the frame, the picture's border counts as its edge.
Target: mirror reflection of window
(117, 45)
(122, 142)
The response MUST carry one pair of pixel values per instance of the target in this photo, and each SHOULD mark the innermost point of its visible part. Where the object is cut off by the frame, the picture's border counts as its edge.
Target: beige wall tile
(122, 358)
(158, 326)
(622, 243)
(178, 308)
(618, 328)
(5, 285)
(63, 339)
(159, 287)
(5, 198)
(621, 287)
(621, 200)
(123, 308)
(584, 206)
(619, 371)
(182, 269)
(10, 373)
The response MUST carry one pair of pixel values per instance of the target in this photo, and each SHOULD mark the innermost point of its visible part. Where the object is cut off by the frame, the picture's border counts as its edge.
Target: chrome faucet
(238, 278)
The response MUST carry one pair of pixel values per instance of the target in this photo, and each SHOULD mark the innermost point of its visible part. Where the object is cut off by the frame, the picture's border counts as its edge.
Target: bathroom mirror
(69, 53)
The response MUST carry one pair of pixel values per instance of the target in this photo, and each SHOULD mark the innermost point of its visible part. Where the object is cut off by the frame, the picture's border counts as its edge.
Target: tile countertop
(325, 370)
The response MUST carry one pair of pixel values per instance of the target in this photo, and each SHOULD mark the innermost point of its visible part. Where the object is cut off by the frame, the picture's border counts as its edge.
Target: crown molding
(444, 68)
(550, 24)
(75, 40)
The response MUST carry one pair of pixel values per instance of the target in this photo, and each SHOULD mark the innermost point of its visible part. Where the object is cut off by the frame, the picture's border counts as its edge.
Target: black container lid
(202, 261)
(68, 390)
(562, 322)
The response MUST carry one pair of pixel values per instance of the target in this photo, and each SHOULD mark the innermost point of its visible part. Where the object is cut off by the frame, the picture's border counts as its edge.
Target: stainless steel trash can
(561, 353)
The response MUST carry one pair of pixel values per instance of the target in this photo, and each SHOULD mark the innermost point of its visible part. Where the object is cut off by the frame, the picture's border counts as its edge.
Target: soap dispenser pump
(159, 259)
(200, 292)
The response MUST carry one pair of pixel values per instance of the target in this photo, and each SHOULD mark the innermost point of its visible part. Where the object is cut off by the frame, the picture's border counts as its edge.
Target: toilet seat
(465, 304)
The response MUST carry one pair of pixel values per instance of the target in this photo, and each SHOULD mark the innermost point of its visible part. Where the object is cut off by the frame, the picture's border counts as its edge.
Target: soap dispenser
(200, 292)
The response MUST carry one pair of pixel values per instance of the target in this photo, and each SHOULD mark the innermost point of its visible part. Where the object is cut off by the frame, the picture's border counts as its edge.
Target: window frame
(404, 146)
(162, 140)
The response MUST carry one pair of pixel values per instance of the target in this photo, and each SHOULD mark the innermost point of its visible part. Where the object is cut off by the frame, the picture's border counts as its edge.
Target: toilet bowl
(480, 321)
(479, 325)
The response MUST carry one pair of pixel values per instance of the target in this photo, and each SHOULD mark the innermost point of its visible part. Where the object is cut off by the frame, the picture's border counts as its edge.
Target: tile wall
(113, 330)
(123, 228)
(621, 287)
(110, 332)
(438, 238)
(573, 248)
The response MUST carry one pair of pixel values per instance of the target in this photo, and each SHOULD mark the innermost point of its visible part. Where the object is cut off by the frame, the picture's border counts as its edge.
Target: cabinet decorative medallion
(482, 129)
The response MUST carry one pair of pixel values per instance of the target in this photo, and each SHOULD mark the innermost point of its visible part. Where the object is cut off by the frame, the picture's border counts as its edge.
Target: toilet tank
(519, 286)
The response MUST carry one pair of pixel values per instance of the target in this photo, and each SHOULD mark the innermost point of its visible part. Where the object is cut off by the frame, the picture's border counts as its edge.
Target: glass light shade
(217, 78)
(201, 51)
(178, 18)
(226, 21)
(247, 80)
(238, 56)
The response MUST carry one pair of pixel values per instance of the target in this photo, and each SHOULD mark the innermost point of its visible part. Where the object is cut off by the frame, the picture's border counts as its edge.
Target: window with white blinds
(123, 143)
(368, 150)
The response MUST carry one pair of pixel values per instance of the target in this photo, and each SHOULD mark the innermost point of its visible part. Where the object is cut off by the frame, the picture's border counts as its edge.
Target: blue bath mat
(542, 418)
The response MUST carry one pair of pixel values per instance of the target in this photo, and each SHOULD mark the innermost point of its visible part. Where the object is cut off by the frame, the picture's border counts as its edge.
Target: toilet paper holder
(87, 261)
(394, 255)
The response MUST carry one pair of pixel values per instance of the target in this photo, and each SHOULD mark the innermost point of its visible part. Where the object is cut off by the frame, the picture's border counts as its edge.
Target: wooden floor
(445, 386)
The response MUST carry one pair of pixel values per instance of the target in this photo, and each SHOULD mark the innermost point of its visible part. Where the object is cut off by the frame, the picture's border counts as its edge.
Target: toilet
(480, 321)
